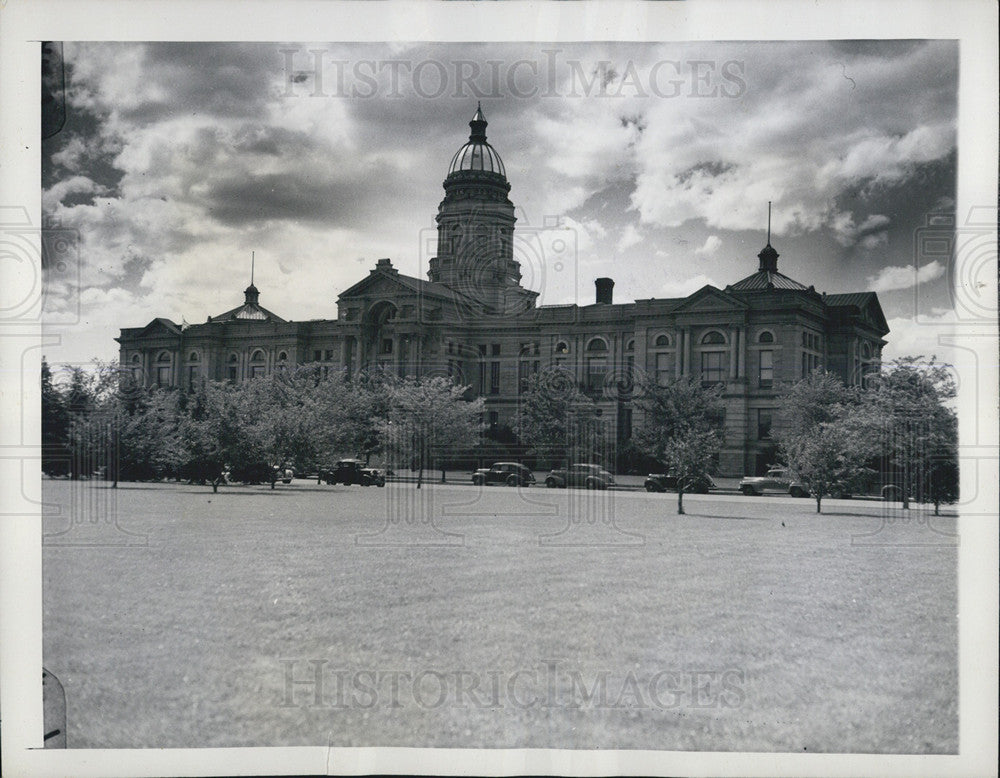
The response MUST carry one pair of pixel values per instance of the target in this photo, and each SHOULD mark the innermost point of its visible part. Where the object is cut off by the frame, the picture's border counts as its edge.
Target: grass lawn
(747, 624)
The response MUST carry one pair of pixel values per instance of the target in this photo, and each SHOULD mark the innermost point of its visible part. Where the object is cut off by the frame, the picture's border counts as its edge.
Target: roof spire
(768, 256)
(253, 253)
(251, 293)
(478, 125)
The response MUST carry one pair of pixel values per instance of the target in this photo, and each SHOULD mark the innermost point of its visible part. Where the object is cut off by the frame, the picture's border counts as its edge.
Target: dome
(477, 155)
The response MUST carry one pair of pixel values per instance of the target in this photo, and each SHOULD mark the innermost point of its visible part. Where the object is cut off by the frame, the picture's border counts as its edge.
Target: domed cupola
(477, 155)
(475, 221)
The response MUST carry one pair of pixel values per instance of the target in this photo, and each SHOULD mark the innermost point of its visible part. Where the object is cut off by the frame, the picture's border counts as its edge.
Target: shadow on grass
(725, 518)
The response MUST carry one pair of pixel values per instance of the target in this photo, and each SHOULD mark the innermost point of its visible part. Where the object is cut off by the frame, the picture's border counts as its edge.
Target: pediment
(710, 299)
(378, 285)
(160, 326)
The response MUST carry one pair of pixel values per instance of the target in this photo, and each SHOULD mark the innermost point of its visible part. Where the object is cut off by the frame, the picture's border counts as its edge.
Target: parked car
(588, 476)
(352, 471)
(509, 473)
(283, 474)
(660, 482)
(777, 479)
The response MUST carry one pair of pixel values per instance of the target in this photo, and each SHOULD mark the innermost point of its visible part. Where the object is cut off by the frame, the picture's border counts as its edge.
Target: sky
(649, 163)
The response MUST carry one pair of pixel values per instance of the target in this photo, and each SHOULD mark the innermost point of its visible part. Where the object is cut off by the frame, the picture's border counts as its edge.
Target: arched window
(766, 337)
(192, 371)
(562, 347)
(866, 351)
(258, 364)
(630, 344)
(662, 341)
(163, 369)
(233, 368)
(597, 363)
(135, 368)
(713, 361)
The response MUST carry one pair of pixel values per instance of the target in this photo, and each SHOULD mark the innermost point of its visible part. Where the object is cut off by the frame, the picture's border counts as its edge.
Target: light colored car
(777, 479)
(587, 476)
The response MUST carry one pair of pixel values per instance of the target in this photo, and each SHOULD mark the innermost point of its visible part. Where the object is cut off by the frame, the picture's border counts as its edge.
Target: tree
(428, 416)
(212, 433)
(55, 427)
(820, 436)
(907, 407)
(679, 427)
(555, 419)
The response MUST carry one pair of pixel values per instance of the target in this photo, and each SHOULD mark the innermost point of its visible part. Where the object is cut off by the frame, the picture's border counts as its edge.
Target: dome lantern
(477, 155)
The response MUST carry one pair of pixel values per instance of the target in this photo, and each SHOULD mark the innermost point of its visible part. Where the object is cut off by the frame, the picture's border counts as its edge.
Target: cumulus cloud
(893, 278)
(927, 335)
(710, 246)
(630, 237)
(803, 140)
(687, 286)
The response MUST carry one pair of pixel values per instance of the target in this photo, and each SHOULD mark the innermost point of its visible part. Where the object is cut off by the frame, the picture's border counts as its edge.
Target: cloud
(803, 138)
(871, 232)
(710, 246)
(630, 237)
(892, 278)
(687, 286)
(927, 336)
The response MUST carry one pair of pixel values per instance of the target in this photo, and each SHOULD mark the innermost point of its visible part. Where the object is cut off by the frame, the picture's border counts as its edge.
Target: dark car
(352, 471)
(662, 482)
(509, 473)
(588, 476)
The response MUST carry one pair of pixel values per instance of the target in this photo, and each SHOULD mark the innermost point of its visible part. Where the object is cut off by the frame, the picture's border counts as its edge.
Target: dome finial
(768, 256)
(478, 125)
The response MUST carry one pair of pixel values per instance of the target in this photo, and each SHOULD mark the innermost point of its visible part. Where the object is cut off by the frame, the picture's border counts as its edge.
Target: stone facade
(473, 320)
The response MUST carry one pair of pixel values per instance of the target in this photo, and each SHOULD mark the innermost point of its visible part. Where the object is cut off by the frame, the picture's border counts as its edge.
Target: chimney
(605, 286)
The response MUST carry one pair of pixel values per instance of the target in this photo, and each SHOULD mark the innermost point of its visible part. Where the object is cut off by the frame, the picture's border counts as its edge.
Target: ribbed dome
(477, 155)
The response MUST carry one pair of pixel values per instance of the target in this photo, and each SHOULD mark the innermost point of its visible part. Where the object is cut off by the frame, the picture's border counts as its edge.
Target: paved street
(497, 617)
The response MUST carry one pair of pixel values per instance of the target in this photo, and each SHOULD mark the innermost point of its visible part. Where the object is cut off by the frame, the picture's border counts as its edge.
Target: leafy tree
(428, 416)
(55, 426)
(680, 427)
(555, 419)
(907, 409)
(213, 433)
(820, 435)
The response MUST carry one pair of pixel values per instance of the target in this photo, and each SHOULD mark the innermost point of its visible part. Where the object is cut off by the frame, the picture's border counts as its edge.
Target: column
(741, 352)
(687, 352)
(733, 351)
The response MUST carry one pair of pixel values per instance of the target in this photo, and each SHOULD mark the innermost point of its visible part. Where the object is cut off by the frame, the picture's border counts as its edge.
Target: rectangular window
(328, 355)
(482, 378)
(764, 424)
(233, 374)
(317, 355)
(482, 349)
(386, 346)
(494, 419)
(256, 371)
(163, 375)
(523, 371)
(494, 378)
(664, 368)
(766, 369)
(711, 367)
(596, 368)
(805, 364)
(495, 350)
(192, 377)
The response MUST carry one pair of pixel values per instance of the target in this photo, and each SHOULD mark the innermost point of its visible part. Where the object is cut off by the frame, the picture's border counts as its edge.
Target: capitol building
(472, 319)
